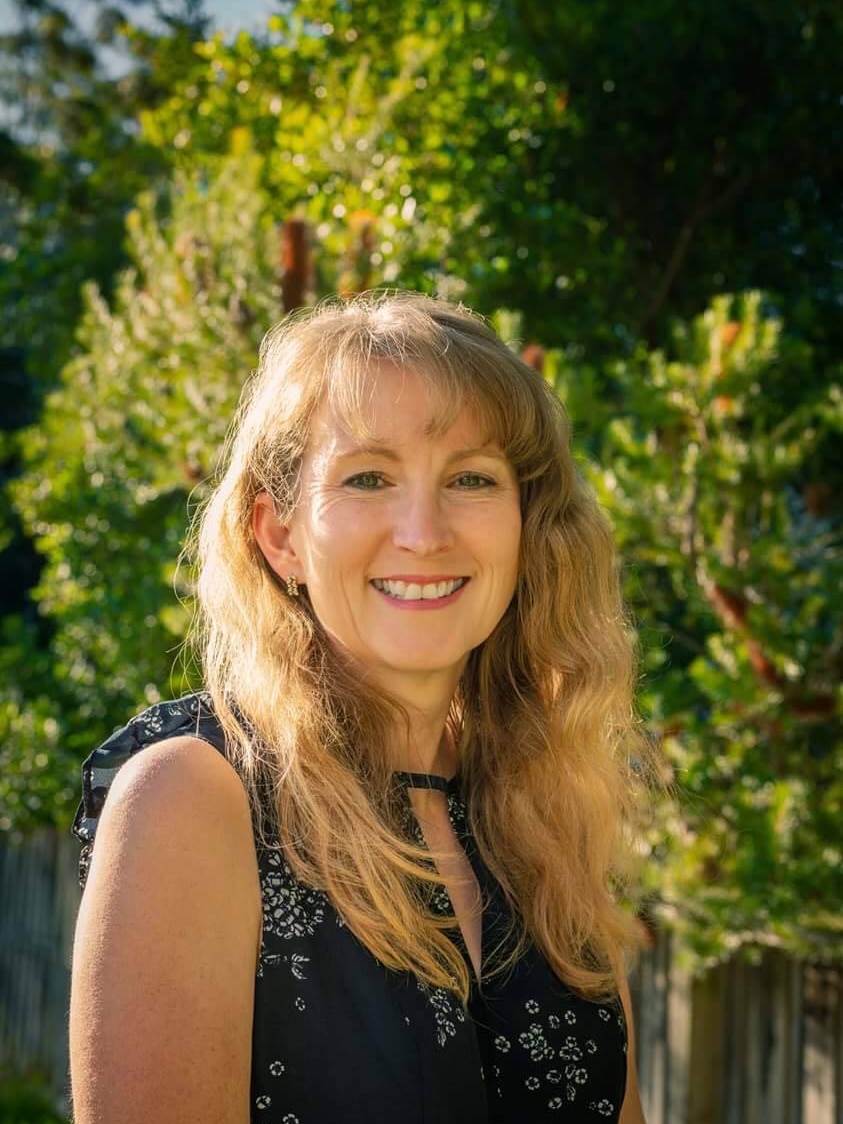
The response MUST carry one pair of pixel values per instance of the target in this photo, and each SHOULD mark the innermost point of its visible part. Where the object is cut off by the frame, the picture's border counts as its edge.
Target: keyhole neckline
(428, 780)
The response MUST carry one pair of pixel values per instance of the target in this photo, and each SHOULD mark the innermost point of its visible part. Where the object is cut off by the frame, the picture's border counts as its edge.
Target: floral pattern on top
(447, 1010)
(526, 1049)
(290, 909)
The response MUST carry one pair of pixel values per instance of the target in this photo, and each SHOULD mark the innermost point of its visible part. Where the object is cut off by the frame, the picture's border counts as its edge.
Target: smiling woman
(437, 498)
(389, 895)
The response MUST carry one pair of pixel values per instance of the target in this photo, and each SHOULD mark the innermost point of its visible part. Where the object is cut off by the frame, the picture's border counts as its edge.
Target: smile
(416, 591)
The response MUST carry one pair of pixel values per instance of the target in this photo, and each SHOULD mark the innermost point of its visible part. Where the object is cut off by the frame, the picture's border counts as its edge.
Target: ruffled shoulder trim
(190, 715)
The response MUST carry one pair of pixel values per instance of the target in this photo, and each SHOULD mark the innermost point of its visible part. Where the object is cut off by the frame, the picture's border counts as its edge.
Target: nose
(421, 525)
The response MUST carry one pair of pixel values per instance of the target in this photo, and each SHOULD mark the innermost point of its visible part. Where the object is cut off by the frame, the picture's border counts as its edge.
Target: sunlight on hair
(543, 717)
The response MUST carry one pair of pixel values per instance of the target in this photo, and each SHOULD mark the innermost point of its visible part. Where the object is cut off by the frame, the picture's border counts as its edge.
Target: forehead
(396, 406)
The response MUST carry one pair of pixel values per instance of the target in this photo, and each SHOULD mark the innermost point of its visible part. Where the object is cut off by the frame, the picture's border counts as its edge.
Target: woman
(364, 876)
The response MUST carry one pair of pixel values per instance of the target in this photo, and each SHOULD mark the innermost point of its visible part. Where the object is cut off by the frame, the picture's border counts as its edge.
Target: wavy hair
(542, 718)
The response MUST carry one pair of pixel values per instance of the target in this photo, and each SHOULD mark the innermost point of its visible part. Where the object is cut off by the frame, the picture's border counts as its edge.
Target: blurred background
(646, 199)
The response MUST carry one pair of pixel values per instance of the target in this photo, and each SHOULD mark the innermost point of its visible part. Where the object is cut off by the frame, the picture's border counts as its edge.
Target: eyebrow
(379, 449)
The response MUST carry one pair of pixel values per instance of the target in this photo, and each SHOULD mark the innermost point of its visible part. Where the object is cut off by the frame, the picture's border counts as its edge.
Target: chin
(422, 663)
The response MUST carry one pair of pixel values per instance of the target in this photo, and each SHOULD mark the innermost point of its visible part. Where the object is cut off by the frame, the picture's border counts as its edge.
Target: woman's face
(408, 543)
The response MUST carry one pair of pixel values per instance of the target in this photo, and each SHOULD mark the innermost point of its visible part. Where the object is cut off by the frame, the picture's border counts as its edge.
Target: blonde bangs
(458, 357)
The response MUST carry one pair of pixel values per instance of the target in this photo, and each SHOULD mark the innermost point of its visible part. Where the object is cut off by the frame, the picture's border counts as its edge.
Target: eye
(365, 481)
(473, 480)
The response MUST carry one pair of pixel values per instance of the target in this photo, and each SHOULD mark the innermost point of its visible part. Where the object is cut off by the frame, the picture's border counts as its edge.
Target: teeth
(413, 591)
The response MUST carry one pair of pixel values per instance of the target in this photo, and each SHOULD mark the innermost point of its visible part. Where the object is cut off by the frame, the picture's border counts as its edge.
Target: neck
(427, 747)
(424, 745)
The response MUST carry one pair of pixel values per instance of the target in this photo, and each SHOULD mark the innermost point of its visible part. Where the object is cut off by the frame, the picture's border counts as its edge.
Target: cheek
(333, 538)
(503, 535)
(496, 544)
(512, 536)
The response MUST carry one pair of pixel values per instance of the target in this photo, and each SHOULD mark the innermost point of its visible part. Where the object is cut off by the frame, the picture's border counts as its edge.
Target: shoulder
(167, 939)
(162, 785)
(190, 717)
(163, 804)
(176, 822)
(180, 785)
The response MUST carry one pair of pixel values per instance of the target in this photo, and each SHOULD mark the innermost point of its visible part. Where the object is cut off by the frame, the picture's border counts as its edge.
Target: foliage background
(645, 197)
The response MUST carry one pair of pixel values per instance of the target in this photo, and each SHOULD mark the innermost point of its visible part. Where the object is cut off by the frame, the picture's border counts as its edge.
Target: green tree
(73, 160)
(603, 168)
(714, 477)
(72, 163)
(130, 433)
(605, 172)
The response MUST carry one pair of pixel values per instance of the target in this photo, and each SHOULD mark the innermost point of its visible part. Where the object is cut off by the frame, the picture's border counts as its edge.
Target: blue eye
(473, 480)
(365, 481)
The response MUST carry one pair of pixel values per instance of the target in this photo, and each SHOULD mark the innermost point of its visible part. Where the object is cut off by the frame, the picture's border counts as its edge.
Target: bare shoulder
(175, 810)
(165, 775)
(165, 948)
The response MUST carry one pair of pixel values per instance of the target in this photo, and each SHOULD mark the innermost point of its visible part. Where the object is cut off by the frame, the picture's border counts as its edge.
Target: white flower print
(532, 1082)
(503, 1044)
(263, 1101)
(151, 722)
(553, 1076)
(553, 1022)
(570, 1018)
(535, 1041)
(532, 1006)
(440, 902)
(447, 1011)
(295, 962)
(570, 1050)
(290, 909)
(457, 813)
(276, 1068)
(299, 1003)
(580, 1076)
(604, 1014)
(604, 1107)
(289, 1118)
(591, 1046)
(555, 1103)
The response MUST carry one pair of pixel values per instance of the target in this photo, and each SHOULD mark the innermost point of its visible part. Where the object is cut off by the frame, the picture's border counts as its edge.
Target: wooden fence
(744, 1044)
(39, 898)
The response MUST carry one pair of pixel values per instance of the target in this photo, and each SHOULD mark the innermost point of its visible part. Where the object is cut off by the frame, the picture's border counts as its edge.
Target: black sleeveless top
(340, 1039)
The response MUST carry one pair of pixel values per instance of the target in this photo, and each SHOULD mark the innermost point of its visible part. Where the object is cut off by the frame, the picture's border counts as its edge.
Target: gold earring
(292, 585)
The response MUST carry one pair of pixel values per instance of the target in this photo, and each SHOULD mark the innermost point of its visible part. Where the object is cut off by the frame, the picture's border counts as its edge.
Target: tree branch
(732, 609)
(703, 208)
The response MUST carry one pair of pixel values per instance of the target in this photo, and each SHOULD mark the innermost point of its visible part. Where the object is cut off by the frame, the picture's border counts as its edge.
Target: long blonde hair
(542, 718)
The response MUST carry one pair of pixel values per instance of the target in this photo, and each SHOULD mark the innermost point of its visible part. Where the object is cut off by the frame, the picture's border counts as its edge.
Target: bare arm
(166, 943)
(631, 1111)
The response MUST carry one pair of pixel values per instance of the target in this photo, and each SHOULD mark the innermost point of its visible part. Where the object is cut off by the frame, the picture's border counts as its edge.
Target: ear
(273, 538)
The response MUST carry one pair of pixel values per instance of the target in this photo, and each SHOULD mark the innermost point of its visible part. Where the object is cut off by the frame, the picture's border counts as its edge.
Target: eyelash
(353, 481)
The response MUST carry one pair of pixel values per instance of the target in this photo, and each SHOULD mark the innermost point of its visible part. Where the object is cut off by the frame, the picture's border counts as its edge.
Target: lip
(420, 579)
(422, 605)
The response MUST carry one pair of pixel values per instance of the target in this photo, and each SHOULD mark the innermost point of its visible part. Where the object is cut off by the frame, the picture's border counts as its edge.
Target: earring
(292, 585)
